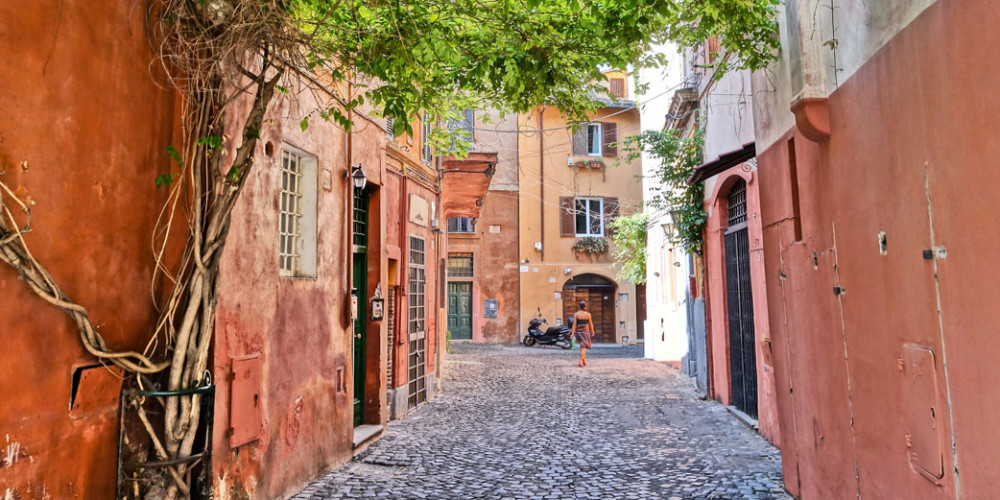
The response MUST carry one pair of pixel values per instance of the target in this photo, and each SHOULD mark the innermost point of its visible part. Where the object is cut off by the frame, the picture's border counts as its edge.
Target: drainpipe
(348, 226)
(541, 179)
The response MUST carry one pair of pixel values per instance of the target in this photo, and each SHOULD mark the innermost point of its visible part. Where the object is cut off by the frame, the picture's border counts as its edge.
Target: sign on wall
(419, 210)
(490, 308)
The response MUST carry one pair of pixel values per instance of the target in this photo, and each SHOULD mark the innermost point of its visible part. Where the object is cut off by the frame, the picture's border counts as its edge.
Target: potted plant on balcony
(591, 245)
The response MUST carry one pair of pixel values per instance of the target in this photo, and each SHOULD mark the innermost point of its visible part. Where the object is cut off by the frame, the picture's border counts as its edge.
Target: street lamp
(358, 177)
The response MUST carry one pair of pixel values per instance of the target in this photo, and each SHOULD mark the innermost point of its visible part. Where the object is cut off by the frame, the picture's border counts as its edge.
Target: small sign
(377, 304)
(419, 210)
(495, 228)
(490, 308)
(552, 279)
(622, 297)
(558, 295)
(524, 269)
(534, 269)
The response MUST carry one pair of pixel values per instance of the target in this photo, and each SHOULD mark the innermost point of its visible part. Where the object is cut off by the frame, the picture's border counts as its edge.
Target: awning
(724, 162)
(464, 183)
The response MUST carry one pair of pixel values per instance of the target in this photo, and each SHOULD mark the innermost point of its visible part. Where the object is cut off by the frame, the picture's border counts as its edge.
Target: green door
(360, 278)
(460, 310)
(360, 284)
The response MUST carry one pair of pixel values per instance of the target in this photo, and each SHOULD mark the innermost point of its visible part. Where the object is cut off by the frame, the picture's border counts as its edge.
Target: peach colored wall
(717, 311)
(298, 326)
(496, 269)
(911, 153)
(82, 107)
(539, 211)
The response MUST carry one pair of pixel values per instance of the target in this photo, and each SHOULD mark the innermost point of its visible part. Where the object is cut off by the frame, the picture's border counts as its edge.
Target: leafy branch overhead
(629, 250)
(672, 196)
(512, 55)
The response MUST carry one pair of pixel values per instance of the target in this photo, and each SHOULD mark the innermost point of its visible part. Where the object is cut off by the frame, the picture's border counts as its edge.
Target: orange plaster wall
(68, 68)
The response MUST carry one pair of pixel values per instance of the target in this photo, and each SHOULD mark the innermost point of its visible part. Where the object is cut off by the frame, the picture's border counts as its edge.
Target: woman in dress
(583, 330)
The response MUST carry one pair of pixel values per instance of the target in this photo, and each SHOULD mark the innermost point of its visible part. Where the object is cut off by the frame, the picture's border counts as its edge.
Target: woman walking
(583, 330)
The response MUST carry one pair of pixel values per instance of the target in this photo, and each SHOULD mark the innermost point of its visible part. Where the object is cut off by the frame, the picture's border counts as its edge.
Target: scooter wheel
(528, 341)
(566, 344)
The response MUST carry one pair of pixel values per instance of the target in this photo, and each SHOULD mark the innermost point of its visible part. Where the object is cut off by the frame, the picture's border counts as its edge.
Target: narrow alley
(518, 422)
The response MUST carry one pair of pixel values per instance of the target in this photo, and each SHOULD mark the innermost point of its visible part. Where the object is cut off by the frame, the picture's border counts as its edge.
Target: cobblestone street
(516, 422)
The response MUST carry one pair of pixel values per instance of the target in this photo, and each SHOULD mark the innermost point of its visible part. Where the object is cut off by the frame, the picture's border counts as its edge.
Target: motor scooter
(553, 335)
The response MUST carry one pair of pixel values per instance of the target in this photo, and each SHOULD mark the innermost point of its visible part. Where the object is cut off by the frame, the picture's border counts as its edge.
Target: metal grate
(391, 327)
(360, 218)
(742, 344)
(738, 203)
(460, 266)
(417, 326)
(289, 212)
(389, 134)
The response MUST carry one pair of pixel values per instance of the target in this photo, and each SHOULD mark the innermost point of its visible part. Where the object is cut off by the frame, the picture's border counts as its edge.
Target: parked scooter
(553, 335)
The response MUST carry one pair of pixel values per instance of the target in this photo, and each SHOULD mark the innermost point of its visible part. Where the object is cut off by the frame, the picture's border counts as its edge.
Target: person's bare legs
(583, 356)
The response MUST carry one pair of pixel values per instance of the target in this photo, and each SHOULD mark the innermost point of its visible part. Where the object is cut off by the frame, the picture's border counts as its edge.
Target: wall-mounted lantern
(358, 177)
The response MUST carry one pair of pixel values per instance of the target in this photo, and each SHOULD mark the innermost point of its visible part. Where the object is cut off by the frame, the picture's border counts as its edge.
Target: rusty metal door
(739, 301)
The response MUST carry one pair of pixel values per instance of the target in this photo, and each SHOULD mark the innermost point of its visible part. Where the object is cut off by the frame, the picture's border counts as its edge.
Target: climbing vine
(672, 195)
(628, 233)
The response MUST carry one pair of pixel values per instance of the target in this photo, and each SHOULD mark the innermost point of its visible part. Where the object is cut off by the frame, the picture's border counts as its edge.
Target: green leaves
(174, 155)
(211, 142)
(165, 179)
(629, 250)
(672, 195)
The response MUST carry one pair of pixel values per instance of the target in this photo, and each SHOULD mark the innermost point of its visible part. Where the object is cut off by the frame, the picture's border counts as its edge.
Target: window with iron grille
(460, 265)
(360, 219)
(738, 203)
(589, 217)
(289, 214)
(417, 286)
(297, 214)
(426, 155)
(461, 225)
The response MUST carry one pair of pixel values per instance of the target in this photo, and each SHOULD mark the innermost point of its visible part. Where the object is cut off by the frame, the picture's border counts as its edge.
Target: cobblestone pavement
(527, 423)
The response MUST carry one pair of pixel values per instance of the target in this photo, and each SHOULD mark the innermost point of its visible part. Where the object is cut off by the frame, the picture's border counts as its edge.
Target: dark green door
(360, 278)
(360, 285)
(460, 310)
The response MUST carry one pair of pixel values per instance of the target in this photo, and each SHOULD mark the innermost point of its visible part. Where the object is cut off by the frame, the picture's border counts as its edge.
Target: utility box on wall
(244, 401)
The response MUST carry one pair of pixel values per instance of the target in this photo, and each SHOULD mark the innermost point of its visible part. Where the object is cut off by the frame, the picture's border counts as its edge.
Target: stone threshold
(747, 420)
(364, 433)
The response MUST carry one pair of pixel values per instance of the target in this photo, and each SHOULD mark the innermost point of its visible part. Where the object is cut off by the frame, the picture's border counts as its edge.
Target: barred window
(417, 284)
(460, 265)
(297, 214)
(289, 212)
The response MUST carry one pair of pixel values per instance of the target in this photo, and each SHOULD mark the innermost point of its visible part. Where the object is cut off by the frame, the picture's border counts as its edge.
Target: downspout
(348, 210)
(541, 180)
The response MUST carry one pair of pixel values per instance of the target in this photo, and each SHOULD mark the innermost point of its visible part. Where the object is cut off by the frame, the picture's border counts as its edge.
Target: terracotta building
(331, 317)
(483, 296)
(877, 180)
(569, 189)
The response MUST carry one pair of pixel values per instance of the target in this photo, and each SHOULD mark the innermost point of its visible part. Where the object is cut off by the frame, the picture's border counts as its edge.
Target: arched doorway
(739, 304)
(599, 292)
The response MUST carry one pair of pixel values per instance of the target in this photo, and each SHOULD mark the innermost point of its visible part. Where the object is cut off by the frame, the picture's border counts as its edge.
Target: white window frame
(600, 216)
(297, 213)
(594, 147)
